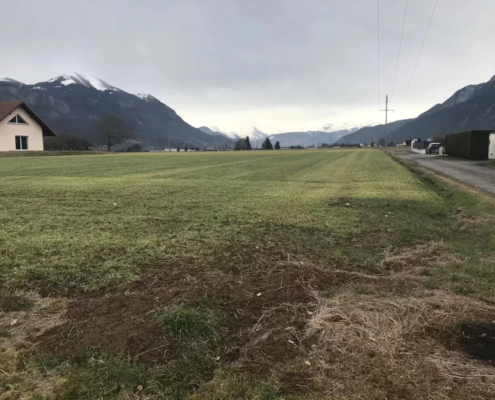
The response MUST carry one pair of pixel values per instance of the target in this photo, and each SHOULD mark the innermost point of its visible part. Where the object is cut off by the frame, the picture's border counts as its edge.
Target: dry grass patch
(465, 221)
(411, 260)
(23, 318)
(375, 348)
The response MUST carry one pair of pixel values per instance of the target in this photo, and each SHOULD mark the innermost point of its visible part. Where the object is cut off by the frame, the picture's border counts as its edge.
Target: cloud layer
(279, 64)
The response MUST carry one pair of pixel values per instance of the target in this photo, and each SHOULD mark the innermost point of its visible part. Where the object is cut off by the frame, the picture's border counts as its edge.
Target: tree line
(111, 132)
(245, 144)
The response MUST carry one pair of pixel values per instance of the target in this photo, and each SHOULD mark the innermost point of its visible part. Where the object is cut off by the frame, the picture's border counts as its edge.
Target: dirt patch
(300, 381)
(114, 324)
(15, 302)
(260, 314)
(477, 339)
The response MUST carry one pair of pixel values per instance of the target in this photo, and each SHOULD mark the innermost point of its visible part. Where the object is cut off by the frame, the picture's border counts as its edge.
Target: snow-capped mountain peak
(345, 127)
(145, 97)
(256, 133)
(74, 78)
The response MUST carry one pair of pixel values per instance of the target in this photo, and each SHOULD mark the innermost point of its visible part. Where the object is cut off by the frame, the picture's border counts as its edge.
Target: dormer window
(18, 120)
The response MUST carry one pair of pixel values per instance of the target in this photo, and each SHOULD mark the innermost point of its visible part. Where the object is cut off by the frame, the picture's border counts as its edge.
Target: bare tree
(112, 130)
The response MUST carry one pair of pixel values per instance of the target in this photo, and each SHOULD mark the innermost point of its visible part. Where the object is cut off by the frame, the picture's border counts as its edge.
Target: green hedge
(470, 144)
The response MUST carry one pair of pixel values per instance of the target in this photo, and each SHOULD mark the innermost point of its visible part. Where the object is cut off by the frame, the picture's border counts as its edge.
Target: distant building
(20, 128)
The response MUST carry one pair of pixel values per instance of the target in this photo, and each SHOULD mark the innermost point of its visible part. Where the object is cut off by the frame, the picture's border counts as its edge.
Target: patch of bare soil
(114, 324)
(262, 313)
(476, 338)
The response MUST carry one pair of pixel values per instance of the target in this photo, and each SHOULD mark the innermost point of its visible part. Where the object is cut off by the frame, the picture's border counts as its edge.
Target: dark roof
(8, 107)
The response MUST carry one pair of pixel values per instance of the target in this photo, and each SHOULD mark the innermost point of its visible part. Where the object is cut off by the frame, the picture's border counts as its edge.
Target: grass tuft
(187, 323)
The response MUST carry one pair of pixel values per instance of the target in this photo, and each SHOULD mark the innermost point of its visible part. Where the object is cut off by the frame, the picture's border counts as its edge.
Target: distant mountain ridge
(370, 134)
(73, 103)
(469, 108)
(306, 139)
(328, 134)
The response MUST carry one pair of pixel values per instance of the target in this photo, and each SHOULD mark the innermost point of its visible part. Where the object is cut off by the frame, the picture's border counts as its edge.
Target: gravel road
(477, 174)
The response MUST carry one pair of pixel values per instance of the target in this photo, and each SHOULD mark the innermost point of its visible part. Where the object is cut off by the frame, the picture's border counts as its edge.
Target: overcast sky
(280, 65)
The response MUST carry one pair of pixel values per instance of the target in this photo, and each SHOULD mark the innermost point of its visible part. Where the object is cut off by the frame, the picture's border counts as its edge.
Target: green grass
(186, 323)
(242, 241)
(81, 224)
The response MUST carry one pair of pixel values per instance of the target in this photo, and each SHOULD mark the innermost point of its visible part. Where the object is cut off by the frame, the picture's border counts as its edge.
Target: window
(21, 142)
(17, 120)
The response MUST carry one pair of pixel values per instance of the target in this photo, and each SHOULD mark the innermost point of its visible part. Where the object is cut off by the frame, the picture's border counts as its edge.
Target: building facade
(20, 128)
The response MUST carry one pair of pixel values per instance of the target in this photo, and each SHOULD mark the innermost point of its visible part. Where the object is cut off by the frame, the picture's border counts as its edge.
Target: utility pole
(386, 117)
(168, 142)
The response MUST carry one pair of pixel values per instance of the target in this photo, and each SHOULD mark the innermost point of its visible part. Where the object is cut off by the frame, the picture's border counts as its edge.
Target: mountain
(470, 108)
(74, 103)
(465, 94)
(327, 134)
(306, 139)
(253, 132)
(211, 132)
(370, 134)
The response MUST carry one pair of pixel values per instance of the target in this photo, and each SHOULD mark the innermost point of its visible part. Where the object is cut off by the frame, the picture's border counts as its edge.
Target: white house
(20, 128)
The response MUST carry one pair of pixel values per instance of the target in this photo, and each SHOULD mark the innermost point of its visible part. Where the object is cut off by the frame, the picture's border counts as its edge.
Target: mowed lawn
(86, 223)
(254, 275)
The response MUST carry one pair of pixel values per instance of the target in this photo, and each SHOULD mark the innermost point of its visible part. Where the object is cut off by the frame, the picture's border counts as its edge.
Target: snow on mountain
(74, 78)
(256, 133)
(145, 97)
(241, 132)
(73, 102)
(211, 132)
(346, 127)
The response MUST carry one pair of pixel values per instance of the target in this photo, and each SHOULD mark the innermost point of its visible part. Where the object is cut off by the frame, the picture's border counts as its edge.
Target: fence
(471, 144)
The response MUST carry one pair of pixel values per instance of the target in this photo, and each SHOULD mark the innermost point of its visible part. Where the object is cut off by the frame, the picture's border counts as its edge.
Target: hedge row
(471, 144)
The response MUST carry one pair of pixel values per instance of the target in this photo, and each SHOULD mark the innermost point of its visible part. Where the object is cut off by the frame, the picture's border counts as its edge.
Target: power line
(420, 51)
(378, 58)
(400, 47)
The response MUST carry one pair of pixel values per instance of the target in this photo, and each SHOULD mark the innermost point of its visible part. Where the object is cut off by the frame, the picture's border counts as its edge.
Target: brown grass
(383, 347)
(410, 260)
(464, 220)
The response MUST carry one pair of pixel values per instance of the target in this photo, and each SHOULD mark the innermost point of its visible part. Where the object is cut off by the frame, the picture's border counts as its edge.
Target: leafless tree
(112, 131)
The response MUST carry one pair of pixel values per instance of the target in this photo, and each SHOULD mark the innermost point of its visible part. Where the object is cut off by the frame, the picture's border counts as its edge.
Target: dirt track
(477, 174)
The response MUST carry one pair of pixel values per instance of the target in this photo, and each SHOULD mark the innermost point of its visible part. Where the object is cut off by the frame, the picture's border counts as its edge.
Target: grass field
(243, 275)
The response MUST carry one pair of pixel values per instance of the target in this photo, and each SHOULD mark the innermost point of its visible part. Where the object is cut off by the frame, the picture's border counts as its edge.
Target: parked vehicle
(433, 148)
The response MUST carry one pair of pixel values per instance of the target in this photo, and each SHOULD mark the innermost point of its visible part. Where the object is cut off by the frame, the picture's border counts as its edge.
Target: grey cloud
(253, 54)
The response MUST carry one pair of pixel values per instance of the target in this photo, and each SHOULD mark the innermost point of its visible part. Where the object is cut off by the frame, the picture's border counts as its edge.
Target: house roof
(8, 107)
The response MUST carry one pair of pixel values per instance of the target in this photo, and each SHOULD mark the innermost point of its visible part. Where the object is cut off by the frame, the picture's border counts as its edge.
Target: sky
(279, 65)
